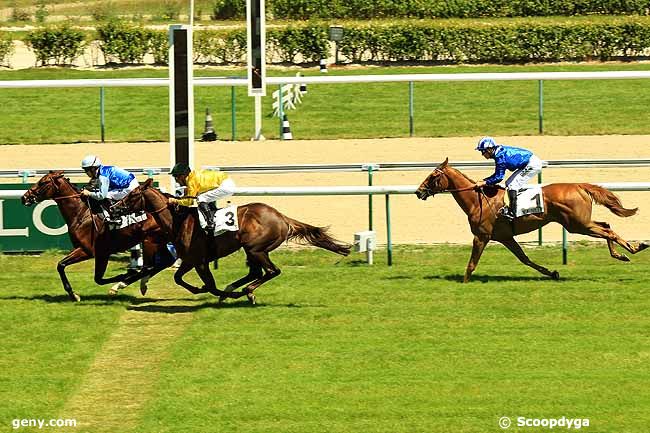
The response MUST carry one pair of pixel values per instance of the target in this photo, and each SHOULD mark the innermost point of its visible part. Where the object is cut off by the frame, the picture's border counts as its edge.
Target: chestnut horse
(568, 204)
(261, 230)
(91, 237)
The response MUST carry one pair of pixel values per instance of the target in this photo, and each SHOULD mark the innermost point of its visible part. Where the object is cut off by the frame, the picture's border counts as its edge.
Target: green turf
(33, 116)
(336, 346)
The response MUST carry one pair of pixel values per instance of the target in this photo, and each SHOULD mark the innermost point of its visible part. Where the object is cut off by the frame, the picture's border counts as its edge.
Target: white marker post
(256, 56)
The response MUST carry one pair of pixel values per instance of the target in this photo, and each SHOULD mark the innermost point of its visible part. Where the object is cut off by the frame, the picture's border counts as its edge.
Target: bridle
(50, 181)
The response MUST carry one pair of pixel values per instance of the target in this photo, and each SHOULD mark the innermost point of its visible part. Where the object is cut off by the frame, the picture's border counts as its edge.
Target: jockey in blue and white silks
(112, 183)
(522, 162)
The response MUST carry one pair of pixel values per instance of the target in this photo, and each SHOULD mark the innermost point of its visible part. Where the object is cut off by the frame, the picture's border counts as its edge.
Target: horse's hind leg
(254, 272)
(599, 229)
(611, 246)
(270, 271)
(515, 248)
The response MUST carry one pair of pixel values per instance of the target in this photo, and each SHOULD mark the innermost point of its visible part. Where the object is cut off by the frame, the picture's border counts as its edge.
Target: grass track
(341, 347)
(33, 116)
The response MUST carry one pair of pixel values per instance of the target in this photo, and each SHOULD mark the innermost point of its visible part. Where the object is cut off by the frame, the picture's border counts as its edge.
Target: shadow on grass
(175, 309)
(152, 305)
(458, 278)
(88, 299)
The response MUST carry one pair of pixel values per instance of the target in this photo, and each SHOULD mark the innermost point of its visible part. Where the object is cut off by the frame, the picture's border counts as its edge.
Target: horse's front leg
(477, 249)
(75, 256)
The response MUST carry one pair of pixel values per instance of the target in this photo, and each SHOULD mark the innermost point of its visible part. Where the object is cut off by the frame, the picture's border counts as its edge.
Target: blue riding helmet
(485, 143)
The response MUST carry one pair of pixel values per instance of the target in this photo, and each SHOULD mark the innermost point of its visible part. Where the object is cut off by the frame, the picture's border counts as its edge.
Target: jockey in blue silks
(522, 162)
(109, 182)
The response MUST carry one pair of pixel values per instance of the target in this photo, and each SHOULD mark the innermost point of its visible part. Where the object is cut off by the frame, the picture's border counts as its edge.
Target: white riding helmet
(90, 161)
(485, 143)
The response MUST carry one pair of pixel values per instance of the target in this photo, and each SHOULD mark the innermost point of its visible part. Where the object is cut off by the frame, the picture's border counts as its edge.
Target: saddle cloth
(530, 200)
(225, 220)
(127, 220)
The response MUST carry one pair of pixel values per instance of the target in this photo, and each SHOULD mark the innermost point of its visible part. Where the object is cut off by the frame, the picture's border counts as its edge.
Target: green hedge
(449, 42)
(56, 45)
(123, 42)
(365, 9)
(495, 43)
(6, 48)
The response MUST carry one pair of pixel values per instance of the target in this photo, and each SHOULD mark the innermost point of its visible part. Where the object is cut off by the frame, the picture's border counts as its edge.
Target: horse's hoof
(74, 297)
(143, 286)
(117, 287)
(623, 258)
(251, 298)
(555, 275)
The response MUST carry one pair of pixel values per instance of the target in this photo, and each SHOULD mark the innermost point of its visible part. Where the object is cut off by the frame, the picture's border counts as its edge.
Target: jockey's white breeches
(520, 178)
(119, 194)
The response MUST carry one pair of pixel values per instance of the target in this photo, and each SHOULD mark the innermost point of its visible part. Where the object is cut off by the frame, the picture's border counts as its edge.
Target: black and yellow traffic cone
(209, 134)
(286, 129)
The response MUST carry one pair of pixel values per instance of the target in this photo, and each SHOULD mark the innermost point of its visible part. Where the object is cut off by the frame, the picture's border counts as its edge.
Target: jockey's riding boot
(511, 211)
(207, 214)
(109, 215)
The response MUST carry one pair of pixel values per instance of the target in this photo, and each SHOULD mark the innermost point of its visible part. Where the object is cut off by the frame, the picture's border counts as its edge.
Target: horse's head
(434, 183)
(46, 188)
(133, 201)
(138, 199)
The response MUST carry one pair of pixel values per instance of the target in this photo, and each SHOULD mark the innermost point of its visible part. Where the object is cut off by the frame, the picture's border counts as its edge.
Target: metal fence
(233, 82)
(385, 190)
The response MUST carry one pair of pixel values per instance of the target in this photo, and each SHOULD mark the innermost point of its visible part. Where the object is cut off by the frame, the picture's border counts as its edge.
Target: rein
(467, 188)
(66, 197)
(153, 212)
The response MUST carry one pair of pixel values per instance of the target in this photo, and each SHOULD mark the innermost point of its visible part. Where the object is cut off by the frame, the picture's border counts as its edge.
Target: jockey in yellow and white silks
(206, 185)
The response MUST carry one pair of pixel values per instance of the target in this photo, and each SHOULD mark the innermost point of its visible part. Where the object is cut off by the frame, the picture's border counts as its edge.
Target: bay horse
(261, 230)
(91, 237)
(568, 204)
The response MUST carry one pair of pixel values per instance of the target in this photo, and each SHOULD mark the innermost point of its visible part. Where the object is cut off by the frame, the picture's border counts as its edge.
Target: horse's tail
(608, 199)
(316, 236)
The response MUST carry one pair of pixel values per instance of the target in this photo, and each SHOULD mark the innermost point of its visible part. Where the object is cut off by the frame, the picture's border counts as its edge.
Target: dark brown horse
(261, 230)
(91, 237)
(568, 204)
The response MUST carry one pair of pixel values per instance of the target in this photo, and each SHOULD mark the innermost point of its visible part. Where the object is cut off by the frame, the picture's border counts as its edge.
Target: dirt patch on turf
(413, 221)
(120, 381)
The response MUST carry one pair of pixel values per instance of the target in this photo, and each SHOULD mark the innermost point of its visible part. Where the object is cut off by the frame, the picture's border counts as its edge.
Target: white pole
(258, 119)
(191, 13)
(369, 256)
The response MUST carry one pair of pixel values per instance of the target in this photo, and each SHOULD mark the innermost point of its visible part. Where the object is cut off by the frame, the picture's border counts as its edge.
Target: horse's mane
(76, 189)
(180, 212)
(461, 173)
(67, 180)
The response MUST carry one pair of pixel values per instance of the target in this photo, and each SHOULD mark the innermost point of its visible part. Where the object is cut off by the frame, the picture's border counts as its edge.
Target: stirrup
(506, 213)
